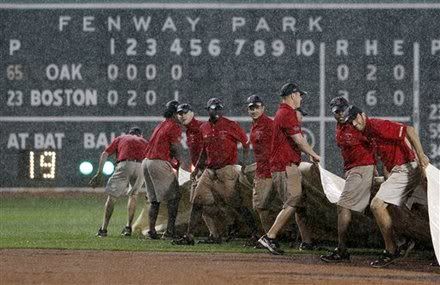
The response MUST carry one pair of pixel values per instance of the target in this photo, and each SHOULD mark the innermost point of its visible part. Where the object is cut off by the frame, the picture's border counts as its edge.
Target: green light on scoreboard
(109, 167)
(86, 168)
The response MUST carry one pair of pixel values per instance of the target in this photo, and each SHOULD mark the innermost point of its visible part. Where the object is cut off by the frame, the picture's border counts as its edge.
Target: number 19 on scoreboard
(42, 165)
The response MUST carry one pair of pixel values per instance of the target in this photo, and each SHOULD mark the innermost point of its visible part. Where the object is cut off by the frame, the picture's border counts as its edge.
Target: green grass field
(71, 221)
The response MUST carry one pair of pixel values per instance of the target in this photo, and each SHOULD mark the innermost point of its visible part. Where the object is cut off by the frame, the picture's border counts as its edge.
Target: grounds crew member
(359, 164)
(264, 196)
(287, 144)
(392, 142)
(194, 141)
(217, 182)
(129, 150)
(160, 177)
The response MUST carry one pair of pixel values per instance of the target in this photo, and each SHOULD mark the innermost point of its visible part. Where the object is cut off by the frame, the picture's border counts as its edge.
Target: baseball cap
(171, 106)
(254, 100)
(351, 112)
(338, 104)
(135, 130)
(214, 103)
(290, 88)
(184, 108)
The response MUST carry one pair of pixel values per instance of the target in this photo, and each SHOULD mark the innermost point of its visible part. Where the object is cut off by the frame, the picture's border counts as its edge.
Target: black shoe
(232, 233)
(385, 259)
(101, 233)
(126, 231)
(152, 235)
(406, 247)
(271, 245)
(307, 246)
(185, 240)
(211, 240)
(336, 256)
(434, 263)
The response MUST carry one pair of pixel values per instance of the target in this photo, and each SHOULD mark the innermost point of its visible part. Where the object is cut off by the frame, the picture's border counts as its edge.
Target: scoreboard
(74, 76)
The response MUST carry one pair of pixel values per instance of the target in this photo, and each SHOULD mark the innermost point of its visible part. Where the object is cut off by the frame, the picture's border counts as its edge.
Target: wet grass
(71, 222)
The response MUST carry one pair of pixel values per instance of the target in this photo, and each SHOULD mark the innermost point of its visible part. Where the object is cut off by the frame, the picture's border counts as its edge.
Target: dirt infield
(106, 267)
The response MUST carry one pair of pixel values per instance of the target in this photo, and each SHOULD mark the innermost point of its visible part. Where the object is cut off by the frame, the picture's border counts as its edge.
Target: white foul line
(416, 87)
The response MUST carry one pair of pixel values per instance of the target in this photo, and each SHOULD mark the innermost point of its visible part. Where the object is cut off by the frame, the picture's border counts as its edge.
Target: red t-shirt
(261, 140)
(220, 142)
(389, 138)
(284, 150)
(128, 147)
(355, 148)
(166, 133)
(194, 139)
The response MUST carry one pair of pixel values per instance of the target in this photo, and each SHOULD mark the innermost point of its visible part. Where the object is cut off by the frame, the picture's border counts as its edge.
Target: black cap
(254, 100)
(171, 106)
(338, 104)
(184, 108)
(135, 130)
(214, 103)
(351, 112)
(290, 88)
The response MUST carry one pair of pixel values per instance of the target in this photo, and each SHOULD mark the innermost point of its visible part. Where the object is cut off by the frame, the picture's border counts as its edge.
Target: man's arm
(97, 178)
(245, 153)
(414, 139)
(305, 147)
(177, 152)
(200, 164)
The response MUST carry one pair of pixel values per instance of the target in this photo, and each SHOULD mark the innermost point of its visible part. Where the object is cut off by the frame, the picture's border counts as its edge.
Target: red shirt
(166, 133)
(261, 140)
(220, 142)
(389, 138)
(194, 139)
(128, 147)
(284, 150)
(355, 148)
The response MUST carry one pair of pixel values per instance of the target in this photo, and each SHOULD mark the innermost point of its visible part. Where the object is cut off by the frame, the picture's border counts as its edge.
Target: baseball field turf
(70, 221)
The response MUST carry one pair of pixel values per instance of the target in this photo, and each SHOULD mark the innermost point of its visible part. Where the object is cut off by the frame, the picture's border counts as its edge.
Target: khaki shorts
(215, 184)
(161, 180)
(357, 189)
(127, 173)
(288, 185)
(264, 196)
(400, 184)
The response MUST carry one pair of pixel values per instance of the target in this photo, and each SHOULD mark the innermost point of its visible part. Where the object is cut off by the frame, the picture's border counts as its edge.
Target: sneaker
(152, 235)
(185, 240)
(271, 245)
(101, 233)
(126, 231)
(336, 256)
(385, 259)
(211, 240)
(406, 247)
(307, 246)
